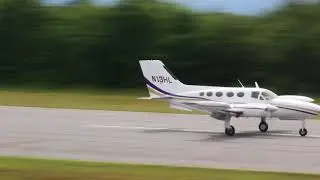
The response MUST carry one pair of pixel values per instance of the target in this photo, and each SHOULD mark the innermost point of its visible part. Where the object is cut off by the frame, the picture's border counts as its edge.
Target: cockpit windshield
(266, 95)
(263, 95)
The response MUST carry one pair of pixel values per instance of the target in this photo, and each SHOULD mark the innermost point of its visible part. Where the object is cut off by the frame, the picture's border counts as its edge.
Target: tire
(230, 131)
(263, 127)
(303, 132)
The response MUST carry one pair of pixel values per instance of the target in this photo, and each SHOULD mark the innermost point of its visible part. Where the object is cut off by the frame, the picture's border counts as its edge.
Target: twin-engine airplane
(222, 103)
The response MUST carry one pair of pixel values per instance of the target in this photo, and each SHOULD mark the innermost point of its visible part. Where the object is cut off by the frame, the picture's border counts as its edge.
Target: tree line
(100, 45)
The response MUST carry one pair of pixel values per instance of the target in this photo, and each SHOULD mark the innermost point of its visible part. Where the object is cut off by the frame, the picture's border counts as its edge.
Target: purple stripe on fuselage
(167, 93)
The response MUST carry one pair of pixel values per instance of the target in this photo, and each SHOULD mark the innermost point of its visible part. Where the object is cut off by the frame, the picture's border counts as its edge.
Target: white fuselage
(247, 102)
(222, 103)
(288, 107)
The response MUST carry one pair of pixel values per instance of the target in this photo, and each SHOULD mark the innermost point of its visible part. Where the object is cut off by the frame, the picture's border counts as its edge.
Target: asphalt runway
(187, 140)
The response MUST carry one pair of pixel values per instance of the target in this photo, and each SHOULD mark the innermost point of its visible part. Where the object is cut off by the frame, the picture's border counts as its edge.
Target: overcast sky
(235, 6)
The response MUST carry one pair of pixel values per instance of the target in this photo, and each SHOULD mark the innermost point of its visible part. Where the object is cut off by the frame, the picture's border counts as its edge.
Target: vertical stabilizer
(159, 79)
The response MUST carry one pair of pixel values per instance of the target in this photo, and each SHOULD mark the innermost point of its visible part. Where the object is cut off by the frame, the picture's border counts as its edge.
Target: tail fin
(159, 79)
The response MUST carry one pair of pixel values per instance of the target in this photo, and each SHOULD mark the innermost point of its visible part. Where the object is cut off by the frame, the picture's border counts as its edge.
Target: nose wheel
(303, 131)
(263, 126)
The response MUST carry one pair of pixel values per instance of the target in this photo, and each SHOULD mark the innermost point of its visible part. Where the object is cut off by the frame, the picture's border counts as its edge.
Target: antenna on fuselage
(240, 83)
(257, 86)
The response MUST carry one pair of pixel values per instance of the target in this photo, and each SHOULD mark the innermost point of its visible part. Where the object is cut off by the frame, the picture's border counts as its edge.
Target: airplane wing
(252, 106)
(208, 106)
(215, 106)
(212, 106)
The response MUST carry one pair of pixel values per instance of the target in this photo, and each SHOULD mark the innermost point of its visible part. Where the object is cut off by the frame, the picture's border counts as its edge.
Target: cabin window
(209, 93)
(219, 94)
(230, 94)
(255, 94)
(240, 94)
(201, 93)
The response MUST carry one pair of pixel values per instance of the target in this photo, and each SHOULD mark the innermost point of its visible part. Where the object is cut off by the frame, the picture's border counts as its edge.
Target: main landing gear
(263, 126)
(303, 131)
(229, 129)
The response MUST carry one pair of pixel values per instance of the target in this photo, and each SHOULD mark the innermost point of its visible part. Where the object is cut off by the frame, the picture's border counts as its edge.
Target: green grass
(41, 169)
(117, 100)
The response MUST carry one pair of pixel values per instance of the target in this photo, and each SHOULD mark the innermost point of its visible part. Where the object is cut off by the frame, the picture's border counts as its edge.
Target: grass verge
(41, 169)
(117, 100)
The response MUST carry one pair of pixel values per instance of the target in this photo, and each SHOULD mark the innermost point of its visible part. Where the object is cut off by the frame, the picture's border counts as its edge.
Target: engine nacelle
(296, 97)
(219, 115)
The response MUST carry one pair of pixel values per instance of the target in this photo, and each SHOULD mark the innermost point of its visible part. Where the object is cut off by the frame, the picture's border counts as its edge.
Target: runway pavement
(192, 140)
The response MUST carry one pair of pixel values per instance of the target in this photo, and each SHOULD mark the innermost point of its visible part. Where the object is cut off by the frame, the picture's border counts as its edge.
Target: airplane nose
(309, 99)
(317, 108)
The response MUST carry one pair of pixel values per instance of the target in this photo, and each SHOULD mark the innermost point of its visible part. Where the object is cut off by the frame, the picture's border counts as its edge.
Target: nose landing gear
(263, 126)
(303, 131)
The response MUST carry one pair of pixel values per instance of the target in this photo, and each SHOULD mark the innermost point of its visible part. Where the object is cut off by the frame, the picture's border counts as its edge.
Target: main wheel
(303, 132)
(263, 127)
(230, 131)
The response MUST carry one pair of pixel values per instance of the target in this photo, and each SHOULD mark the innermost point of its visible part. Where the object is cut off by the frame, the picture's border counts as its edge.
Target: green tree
(99, 45)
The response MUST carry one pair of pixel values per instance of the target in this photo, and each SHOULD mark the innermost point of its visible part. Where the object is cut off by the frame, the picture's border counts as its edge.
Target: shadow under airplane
(220, 136)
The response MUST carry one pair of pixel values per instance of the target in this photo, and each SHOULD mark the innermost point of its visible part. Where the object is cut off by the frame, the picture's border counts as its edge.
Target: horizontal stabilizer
(179, 107)
(145, 98)
(156, 97)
